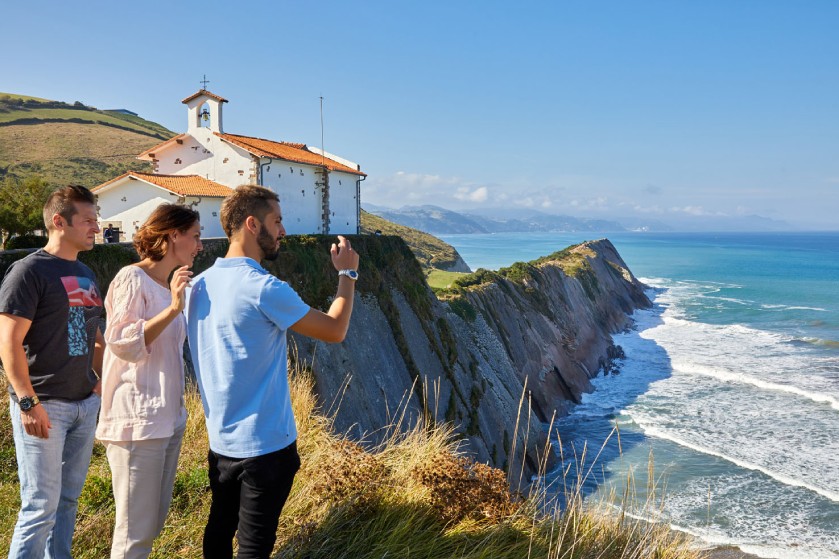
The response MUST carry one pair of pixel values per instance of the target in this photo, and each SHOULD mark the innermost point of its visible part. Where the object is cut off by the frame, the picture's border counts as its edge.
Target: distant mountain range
(434, 219)
(437, 220)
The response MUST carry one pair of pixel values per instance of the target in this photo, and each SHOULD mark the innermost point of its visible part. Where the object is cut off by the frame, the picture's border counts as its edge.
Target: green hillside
(21, 109)
(71, 143)
(431, 252)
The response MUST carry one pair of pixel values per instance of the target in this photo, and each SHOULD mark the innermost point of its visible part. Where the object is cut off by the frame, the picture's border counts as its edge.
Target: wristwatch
(352, 274)
(28, 402)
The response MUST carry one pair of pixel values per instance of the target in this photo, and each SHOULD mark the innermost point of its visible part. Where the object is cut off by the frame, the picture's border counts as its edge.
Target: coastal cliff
(497, 352)
(496, 355)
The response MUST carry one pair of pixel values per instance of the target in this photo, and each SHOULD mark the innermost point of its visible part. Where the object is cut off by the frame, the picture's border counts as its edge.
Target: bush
(26, 241)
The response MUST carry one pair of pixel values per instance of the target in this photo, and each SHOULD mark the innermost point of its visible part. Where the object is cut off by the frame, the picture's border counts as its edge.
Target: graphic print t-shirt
(62, 300)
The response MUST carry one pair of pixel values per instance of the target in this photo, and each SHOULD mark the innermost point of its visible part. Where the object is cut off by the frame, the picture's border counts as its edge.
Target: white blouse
(142, 385)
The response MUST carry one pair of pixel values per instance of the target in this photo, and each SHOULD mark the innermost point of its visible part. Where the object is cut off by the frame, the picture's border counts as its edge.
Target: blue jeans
(52, 473)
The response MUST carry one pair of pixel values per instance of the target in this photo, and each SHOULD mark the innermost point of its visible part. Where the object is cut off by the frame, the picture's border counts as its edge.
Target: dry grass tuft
(416, 495)
(460, 489)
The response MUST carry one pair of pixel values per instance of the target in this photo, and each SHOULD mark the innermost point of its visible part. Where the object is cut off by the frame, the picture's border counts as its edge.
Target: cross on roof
(205, 81)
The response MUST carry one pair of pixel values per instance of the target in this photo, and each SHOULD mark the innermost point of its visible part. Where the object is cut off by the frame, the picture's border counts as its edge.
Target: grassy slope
(438, 279)
(101, 147)
(413, 497)
(431, 252)
(24, 97)
(111, 118)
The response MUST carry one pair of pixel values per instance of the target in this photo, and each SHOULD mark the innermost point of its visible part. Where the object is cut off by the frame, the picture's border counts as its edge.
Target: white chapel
(319, 192)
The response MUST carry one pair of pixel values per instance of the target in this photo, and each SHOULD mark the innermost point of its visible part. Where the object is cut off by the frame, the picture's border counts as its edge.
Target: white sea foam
(787, 552)
(729, 300)
(726, 375)
(653, 431)
(711, 539)
(735, 409)
(792, 308)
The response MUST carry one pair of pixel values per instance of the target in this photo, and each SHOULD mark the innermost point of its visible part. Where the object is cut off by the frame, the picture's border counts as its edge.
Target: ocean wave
(656, 432)
(819, 342)
(787, 552)
(743, 302)
(773, 307)
(729, 376)
(711, 540)
(725, 332)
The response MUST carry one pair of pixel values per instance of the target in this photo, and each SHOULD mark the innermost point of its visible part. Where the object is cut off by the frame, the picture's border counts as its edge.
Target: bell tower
(204, 110)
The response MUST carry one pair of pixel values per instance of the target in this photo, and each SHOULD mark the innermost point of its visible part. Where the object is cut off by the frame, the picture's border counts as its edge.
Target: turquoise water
(730, 385)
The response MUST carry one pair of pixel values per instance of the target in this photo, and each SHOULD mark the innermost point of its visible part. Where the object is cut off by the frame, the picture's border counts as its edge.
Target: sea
(724, 418)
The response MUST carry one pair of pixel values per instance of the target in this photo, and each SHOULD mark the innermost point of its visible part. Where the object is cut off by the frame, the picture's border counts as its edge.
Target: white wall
(135, 192)
(300, 197)
(206, 155)
(210, 223)
(343, 218)
(130, 220)
(141, 200)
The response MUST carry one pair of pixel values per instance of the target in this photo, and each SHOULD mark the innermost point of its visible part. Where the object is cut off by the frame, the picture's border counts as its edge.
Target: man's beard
(268, 244)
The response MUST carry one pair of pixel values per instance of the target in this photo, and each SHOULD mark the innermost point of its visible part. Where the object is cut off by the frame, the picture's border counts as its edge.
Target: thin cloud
(480, 194)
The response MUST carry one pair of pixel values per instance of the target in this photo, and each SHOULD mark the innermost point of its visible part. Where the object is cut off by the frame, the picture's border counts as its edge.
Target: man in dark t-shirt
(51, 347)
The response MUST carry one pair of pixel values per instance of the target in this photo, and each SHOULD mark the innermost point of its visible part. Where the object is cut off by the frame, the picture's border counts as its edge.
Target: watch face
(26, 404)
(352, 274)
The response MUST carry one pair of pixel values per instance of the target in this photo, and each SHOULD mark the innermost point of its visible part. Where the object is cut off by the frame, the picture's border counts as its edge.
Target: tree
(22, 205)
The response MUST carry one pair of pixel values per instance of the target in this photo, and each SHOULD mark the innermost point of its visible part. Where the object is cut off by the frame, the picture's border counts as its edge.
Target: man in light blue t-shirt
(238, 316)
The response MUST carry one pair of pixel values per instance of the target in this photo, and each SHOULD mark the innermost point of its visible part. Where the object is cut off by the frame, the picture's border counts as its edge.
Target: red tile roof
(182, 185)
(286, 150)
(207, 93)
(289, 151)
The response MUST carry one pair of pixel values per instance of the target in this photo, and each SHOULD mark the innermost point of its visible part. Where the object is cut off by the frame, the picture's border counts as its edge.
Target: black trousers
(248, 495)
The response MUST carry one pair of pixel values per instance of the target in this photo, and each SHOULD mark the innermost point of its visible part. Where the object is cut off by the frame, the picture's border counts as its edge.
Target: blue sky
(664, 110)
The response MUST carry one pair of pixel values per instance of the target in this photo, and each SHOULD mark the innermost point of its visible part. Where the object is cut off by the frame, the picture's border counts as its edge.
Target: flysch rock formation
(505, 351)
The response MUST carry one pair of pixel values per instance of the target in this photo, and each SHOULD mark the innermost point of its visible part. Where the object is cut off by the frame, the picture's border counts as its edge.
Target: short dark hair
(246, 200)
(62, 201)
(150, 239)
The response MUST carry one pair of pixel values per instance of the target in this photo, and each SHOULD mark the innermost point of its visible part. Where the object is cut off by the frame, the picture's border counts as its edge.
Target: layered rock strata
(497, 356)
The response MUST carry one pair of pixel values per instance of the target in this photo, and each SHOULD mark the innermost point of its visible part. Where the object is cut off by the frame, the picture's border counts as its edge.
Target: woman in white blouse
(143, 417)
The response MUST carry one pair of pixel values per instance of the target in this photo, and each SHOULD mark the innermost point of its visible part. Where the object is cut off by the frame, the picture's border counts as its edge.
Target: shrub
(26, 241)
